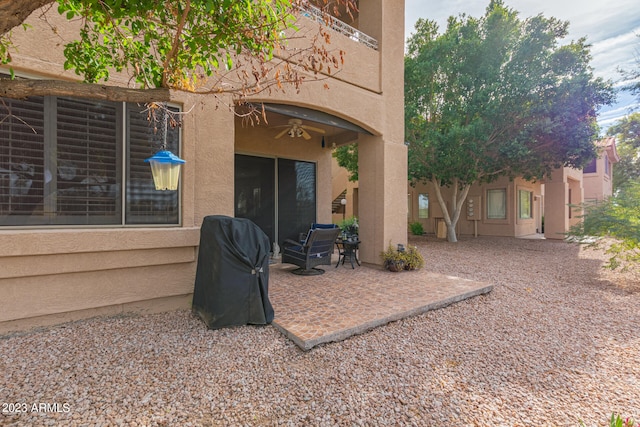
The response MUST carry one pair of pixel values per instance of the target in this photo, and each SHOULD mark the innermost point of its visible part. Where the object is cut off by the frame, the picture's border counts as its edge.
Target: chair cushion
(315, 225)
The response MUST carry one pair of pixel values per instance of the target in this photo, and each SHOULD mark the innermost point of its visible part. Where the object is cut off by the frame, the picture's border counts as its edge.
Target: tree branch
(21, 89)
(175, 45)
(14, 12)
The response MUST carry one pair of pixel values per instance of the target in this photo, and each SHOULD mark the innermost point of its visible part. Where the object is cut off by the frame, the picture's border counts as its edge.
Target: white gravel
(557, 341)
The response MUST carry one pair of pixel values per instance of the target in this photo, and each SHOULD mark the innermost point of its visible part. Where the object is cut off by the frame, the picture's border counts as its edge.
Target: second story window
(591, 167)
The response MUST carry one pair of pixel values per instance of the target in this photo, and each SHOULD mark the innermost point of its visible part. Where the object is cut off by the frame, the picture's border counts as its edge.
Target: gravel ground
(557, 341)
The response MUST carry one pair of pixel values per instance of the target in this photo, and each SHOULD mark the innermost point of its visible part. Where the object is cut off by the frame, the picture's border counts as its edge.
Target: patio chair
(314, 225)
(316, 250)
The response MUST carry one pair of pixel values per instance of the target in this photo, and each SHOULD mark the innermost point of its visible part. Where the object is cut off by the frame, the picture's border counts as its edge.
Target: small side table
(348, 249)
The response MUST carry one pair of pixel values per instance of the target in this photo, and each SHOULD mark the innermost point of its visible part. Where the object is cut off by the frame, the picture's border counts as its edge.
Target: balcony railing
(318, 15)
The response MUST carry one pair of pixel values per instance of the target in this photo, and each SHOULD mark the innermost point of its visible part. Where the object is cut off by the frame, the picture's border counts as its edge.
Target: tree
(347, 157)
(613, 224)
(238, 47)
(632, 78)
(497, 96)
(627, 133)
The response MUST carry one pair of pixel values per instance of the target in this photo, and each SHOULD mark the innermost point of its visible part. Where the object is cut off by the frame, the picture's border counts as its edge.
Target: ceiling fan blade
(305, 134)
(281, 133)
(313, 129)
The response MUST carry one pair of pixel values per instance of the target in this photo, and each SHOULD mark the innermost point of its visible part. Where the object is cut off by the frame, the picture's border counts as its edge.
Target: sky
(612, 27)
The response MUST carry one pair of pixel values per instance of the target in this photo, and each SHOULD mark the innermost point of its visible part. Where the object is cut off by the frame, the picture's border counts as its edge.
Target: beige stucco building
(569, 188)
(83, 234)
(502, 208)
(518, 207)
(598, 175)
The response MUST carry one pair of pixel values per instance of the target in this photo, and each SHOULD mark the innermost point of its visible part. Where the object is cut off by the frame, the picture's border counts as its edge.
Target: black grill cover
(232, 276)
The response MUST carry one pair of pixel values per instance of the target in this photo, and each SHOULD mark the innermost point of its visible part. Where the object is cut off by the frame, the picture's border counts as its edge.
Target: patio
(344, 301)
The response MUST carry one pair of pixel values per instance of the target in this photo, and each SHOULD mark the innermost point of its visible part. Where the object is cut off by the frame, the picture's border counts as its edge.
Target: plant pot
(395, 266)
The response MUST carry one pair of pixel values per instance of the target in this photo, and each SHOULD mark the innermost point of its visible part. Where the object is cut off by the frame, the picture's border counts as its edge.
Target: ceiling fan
(295, 129)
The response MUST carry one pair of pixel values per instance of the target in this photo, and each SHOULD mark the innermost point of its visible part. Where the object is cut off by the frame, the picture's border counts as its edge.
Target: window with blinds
(66, 162)
(145, 204)
(87, 162)
(22, 174)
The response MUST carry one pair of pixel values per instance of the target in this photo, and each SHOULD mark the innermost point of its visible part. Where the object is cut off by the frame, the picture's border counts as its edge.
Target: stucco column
(564, 188)
(382, 195)
(556, 212)
(382, 159)
(212, 160)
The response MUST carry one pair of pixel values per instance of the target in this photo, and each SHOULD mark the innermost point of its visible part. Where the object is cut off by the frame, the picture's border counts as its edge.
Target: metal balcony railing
(318, 15)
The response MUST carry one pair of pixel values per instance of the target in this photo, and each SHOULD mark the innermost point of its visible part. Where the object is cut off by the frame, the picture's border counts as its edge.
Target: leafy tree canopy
(627, 133)
(632, 78)
(495, 96)
(204, 46)
(347, 157)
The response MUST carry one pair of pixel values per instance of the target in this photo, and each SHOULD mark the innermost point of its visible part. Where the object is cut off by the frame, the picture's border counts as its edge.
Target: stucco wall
(599, 185)
(64, 272)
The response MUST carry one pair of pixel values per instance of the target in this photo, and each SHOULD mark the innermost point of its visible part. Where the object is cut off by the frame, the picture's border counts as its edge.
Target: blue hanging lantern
(165, 168)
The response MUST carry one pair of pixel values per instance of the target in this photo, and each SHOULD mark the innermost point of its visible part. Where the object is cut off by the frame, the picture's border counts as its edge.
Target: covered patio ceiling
(338, 131)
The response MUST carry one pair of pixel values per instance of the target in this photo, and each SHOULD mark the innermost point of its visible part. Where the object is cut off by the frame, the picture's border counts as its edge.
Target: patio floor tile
(312, 310)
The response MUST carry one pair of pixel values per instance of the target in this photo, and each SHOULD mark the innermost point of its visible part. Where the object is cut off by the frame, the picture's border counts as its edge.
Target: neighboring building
(84, 233)
(563, 194)
(502, 208)
(569, 188)
(598, 175)
(521, 208)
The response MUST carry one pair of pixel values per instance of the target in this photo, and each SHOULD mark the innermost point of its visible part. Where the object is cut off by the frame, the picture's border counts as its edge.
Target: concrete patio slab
(344, 302)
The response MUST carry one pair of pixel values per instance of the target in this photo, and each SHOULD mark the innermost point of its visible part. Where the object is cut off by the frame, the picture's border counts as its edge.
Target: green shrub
(416, 228)
(613, 225)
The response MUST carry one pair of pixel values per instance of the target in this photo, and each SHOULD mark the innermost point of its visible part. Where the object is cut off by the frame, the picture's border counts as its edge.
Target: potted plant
(349, 228)
(402, 259)
(413, 259)
(392, 259)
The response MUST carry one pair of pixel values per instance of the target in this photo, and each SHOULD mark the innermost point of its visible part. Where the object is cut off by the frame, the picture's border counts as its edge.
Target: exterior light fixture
(165, 166)
(343, 202)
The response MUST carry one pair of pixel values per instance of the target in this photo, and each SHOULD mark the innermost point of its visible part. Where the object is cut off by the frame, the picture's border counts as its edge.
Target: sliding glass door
(255, 191)
(279, 195)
